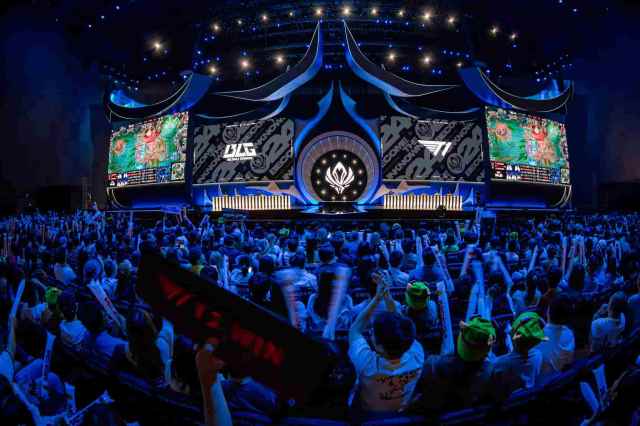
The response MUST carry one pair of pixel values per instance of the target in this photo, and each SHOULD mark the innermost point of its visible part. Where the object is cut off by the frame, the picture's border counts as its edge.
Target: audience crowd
(432, 316)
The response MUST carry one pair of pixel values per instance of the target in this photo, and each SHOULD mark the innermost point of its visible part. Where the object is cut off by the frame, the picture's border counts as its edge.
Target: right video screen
(524, 148)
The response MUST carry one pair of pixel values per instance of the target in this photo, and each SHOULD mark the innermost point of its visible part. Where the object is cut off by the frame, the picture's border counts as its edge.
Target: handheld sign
(276, 354)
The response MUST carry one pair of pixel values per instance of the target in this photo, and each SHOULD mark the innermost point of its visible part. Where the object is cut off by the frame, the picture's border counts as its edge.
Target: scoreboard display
(527, 149)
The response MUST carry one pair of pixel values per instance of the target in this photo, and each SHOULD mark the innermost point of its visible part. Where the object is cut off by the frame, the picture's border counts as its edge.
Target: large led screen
(243, 152)
(149, 152)
(524, 148)
(438, 150)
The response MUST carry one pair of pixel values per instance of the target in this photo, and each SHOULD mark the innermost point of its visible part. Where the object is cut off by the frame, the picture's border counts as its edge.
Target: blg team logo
(239, 151)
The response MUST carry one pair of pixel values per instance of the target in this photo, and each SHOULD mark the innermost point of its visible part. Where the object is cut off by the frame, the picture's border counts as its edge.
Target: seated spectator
(72, 332)
(419, 308)
(140, 355)
(62, 271)
(430, 272)
(520, 368)
(634, 307)
(399, 278)
(319, 303)
(240, 276)
(245, 394)
(558, 350)
(608, 325)
(387, 370)
(98, 339)
(524, 299)
(109, 281)
(461, 379)
(304, 279)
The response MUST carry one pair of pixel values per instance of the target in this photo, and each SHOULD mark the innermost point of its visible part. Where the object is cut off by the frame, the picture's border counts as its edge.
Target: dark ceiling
(139, 41)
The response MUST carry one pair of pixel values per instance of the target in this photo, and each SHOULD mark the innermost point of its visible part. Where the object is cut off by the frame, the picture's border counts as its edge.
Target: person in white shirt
(388, 370)
(398, 278)
(521, 368)
(558, 351)
(61, 269)
(607, 328)
(72, 332)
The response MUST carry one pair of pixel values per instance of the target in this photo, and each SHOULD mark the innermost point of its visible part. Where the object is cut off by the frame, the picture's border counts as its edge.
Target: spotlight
(374, 11)
(513, 36)
(213, 70)
(157, 45)
(427, 16)
(264, 17)
(239, 22)
(426, 59)
(401, 13)
(318, 11)
(279, 59)
(291, 14)
(216, 28)
(451, 20)
(391, 57)
(346, 11)
(459, 65)
(244, 64)
(494, 30)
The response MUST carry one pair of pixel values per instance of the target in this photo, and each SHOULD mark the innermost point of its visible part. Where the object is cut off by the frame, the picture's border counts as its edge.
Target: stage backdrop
(243, 152)
(431, 149)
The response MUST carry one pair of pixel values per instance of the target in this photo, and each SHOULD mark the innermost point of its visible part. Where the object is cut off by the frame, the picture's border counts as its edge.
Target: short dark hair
(326, 253)
(297, 261)
(91, 316)
(428, 257)
(395, 258)
(394, 332)
(560, 309)
(68, 305)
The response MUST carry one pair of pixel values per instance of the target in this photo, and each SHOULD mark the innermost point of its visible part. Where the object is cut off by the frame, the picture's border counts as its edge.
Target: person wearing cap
(463, 378)
(521, 368)
(419, 308)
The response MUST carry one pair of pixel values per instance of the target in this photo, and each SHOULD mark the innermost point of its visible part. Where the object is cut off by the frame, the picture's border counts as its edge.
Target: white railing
(422, 202)
(251, 202)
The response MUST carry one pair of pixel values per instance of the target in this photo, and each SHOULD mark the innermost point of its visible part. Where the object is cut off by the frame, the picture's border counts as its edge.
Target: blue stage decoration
(350, 106)
(422, 113)
(193, 89)
(286, 83)
(265, 112)
(323, 108)
(548, 100)
(380, 78)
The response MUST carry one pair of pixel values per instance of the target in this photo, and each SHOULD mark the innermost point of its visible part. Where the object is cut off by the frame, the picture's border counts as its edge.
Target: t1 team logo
(239, 151)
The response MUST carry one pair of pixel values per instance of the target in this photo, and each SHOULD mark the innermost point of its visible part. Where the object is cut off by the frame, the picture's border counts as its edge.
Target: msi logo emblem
(239, 151)
(436, 148)
(340, 178)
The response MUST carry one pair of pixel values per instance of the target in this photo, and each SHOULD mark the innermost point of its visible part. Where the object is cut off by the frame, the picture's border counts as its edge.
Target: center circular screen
(339, 175)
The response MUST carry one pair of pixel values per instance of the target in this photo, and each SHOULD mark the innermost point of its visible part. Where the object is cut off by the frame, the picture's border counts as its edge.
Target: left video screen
(149, 152)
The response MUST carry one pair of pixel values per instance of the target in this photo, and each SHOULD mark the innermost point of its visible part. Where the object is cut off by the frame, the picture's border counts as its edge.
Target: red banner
(279, 356)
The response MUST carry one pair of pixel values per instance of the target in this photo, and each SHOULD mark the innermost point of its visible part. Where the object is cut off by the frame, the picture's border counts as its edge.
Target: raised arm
(362, 320)
(216, 411)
